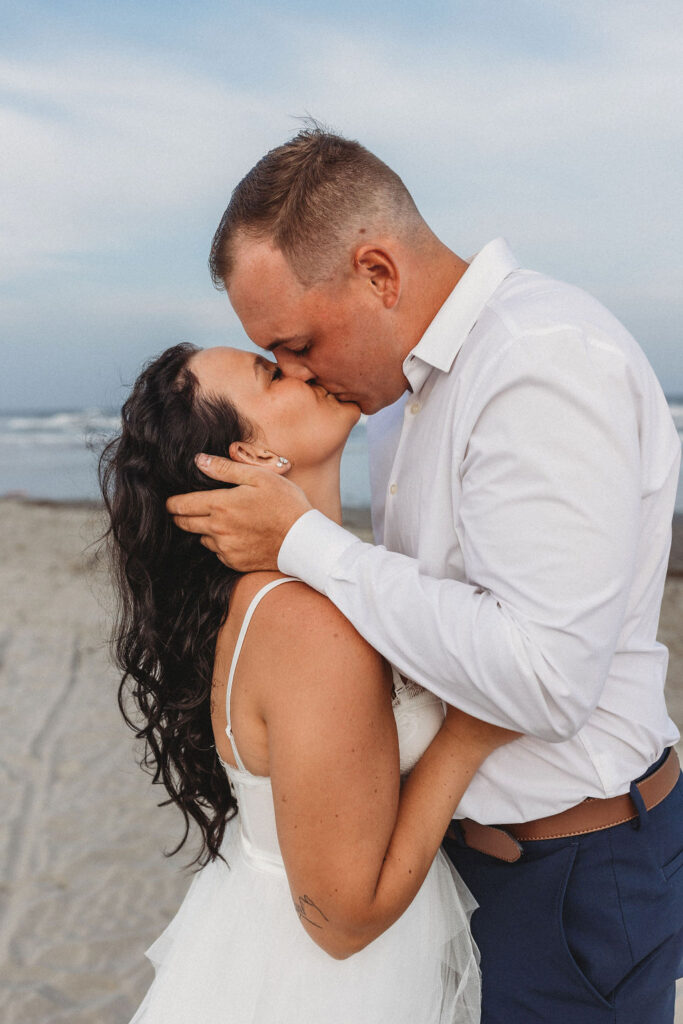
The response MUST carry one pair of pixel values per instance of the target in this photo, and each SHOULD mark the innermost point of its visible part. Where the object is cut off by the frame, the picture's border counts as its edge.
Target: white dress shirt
(522, 503)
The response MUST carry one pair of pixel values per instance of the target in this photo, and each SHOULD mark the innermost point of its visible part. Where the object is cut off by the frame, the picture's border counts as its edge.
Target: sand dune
(85, 886)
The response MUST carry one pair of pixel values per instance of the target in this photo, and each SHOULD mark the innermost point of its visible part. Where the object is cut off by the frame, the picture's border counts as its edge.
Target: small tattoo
(306, 910)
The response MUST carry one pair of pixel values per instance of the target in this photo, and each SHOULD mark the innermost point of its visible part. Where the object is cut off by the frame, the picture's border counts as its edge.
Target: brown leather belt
(592, 815)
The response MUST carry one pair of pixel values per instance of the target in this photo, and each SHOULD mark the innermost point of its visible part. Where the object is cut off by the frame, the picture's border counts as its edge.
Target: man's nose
(293, 366)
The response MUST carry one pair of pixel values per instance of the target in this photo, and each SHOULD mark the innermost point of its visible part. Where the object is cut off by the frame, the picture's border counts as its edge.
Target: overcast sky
(124, 127)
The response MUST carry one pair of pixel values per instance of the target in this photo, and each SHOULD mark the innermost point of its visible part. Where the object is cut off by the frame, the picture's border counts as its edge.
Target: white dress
(235, 953)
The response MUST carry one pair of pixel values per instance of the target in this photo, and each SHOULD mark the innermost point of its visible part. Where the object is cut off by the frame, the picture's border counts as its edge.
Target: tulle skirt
(235, 953)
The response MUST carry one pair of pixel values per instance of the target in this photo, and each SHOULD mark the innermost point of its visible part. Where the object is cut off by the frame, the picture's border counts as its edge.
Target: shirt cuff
(312, 548)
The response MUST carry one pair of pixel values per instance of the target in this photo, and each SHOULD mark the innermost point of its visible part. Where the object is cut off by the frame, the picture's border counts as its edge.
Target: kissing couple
(433, 777)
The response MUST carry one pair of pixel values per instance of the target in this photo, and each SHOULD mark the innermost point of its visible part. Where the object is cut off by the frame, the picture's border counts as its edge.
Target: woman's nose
(293, 366)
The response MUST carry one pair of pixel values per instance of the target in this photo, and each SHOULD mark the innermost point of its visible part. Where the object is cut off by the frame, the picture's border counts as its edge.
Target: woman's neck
(322, 488)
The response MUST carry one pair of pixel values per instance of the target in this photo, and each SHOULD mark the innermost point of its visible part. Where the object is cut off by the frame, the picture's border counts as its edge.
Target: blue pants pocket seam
(673, 866)
(587, 983)
(619, 901)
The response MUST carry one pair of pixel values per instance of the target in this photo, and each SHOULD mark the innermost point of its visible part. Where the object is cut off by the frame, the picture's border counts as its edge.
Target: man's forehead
(248, 248)
(257, 262)
(262, 287)
(272, 324)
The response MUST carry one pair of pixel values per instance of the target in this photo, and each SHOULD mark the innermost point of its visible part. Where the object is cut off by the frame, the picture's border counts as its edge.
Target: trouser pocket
(529, 972)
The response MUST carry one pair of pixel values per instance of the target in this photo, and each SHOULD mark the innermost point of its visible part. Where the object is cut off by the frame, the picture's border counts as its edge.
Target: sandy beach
(85, 886)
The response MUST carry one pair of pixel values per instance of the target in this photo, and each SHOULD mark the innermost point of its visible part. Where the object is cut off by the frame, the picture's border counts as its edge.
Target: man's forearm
(457, 640)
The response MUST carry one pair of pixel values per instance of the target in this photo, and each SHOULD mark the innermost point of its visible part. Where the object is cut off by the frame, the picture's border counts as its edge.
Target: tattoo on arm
(308, 911)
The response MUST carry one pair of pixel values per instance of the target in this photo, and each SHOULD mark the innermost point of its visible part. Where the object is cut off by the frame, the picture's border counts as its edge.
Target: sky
(124, 128)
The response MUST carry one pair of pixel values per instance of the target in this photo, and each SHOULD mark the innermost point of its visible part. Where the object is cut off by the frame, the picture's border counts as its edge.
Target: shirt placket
(395, 529)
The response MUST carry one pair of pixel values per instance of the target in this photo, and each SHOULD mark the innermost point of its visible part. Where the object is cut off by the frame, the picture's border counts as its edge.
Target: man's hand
(244, 525)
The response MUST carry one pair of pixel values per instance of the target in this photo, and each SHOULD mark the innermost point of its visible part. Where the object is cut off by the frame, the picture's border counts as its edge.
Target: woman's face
(300, 421)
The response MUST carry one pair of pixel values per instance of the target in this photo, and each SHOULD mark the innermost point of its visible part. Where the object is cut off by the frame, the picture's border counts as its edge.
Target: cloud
(102, 151)
(574, 162)
(117, 161)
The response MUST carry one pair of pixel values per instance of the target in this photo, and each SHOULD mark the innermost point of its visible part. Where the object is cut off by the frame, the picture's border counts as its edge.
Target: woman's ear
(256, 455)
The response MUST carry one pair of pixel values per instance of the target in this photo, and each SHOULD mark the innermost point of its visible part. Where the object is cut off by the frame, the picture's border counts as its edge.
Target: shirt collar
(443, 339)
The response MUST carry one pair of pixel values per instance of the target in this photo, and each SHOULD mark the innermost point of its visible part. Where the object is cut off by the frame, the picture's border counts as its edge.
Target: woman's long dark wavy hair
(172, 593)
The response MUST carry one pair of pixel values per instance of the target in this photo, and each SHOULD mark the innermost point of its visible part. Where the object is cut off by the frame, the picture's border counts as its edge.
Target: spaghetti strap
(235, 657)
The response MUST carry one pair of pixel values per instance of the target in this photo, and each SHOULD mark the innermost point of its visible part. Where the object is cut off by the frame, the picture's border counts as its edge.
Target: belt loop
(455, 834)
(637, 798)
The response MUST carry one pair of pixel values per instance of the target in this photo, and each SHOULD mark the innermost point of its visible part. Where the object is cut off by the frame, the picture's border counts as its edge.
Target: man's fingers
(243, 525)
(227, 471)
(191, 524)
(197, 503)
(203, 503)
(210, 546)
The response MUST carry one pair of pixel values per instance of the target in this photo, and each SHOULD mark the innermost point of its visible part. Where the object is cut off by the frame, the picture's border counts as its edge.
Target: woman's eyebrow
(260, 363)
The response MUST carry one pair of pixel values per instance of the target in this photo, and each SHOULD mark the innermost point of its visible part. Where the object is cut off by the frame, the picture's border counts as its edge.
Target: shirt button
(393, 489)
(415, 408)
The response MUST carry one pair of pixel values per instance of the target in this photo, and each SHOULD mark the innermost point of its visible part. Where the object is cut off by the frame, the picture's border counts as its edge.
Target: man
(524, 466)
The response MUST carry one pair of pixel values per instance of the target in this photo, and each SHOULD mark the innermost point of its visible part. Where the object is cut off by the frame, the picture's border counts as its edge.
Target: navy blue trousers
(583, 930)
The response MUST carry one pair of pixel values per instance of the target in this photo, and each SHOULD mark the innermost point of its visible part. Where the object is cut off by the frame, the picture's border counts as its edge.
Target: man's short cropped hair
(312, 197)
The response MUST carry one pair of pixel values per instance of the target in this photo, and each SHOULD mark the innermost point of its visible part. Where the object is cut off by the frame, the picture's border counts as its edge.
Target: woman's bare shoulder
(247, 587)
(292, 604)
(306, 635)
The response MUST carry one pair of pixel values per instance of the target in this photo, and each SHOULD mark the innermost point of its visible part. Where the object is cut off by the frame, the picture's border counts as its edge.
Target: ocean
(53, 455)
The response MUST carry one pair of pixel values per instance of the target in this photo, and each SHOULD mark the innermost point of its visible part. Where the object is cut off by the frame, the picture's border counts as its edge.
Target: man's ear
(381, 272)
(256, 455)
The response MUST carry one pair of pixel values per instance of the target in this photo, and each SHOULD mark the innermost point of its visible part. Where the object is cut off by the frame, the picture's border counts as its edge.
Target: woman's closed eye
(276, 373)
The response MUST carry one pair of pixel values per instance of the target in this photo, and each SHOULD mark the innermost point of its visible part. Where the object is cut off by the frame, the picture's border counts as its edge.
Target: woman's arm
(356, 846)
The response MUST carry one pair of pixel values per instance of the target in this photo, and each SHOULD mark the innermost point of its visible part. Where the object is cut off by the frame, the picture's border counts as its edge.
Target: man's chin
(352, 408)
(368, 406)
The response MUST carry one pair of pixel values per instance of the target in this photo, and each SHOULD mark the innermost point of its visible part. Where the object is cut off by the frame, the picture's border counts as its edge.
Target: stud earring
(282, 461)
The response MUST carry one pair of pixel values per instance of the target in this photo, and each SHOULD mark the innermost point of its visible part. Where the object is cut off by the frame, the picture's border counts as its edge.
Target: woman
(260, 678)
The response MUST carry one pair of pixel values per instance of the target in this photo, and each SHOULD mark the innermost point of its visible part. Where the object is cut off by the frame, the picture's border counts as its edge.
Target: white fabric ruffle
(235, 953)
